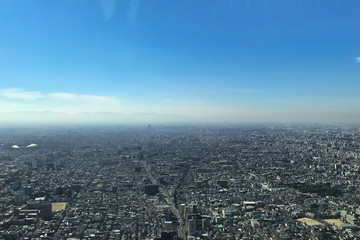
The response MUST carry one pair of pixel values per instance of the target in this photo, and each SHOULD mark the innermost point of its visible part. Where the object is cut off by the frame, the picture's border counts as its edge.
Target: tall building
(18, 198)
(192, 227)
(27, 191)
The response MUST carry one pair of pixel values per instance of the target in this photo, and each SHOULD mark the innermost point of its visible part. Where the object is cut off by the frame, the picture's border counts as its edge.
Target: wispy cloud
(133, 10)
(62, 95)
(98, 99)
(108, 7)
(19, 94)
(15, 93)
(357, 59)
(14, 99)
(83, 98)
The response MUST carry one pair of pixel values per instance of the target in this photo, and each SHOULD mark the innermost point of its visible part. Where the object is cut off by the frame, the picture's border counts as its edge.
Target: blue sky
(193, 60)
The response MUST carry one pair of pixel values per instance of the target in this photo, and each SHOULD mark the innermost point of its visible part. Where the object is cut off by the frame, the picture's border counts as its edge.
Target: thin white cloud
(96, 99)
(19, 94)
(15, 93)
(108, 7)
(357, 59)
(62, 95)
(133, 10)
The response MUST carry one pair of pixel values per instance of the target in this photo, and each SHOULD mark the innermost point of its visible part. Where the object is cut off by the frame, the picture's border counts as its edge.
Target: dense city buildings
(180, 182)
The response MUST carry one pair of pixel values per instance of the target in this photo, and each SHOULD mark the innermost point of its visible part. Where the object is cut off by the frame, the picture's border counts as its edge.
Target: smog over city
(177, 120)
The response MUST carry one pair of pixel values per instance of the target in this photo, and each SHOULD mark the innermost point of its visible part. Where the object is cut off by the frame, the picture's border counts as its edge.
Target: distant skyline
(180, 61)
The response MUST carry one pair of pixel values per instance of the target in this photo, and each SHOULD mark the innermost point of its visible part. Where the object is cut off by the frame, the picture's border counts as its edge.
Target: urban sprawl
(180, 182)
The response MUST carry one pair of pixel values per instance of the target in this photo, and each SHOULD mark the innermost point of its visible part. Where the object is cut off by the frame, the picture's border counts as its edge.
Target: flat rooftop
(309, 221)
(336, 222)
(58, 206)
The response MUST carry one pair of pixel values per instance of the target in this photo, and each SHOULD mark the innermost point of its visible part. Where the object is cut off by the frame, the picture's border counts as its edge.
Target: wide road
(182, 228)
